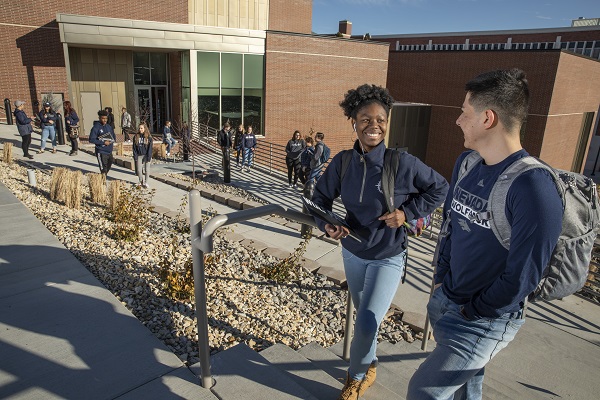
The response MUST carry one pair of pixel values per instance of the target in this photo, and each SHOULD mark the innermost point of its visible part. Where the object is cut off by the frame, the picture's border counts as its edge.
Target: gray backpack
(568, 267)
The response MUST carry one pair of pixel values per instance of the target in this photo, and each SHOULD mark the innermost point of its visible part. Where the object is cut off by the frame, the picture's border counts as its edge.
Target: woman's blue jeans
(248, 157)
(48, 131)
(455, 368)
(170, 144)
(372, 284)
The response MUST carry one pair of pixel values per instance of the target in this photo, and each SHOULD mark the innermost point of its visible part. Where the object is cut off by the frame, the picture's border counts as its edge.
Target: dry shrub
(65, 186)
(97, 188)
(8, 152)
(130, 214)
(120, 149)
(163, 150)
(57, 182)
(115, 193)
(156, 152)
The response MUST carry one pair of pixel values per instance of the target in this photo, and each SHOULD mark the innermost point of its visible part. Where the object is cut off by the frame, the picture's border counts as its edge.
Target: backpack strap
(468, 163)
(496, 213)
(346, 158)
(391, 162)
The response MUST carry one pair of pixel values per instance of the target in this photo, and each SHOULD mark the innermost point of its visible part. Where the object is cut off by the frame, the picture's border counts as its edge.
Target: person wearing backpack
(321, 156)
(480, 286)
(375, 264)
(305, 159)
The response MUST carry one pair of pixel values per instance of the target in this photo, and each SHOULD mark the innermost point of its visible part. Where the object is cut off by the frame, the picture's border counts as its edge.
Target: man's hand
(106, 142)
(395, 219)
(336, 232)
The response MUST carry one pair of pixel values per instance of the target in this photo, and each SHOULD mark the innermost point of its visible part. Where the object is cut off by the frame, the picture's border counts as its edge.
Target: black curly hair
(364, 95)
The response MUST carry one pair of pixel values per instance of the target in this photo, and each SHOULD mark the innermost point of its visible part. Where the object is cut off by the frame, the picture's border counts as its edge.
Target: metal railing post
(200, 289)
(349, 328)
(270, 158)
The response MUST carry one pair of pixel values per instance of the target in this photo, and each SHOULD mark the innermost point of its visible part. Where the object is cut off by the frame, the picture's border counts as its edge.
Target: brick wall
(290, 15)
(438, 78)
(32, 60)
(307, 77)
(576, 91)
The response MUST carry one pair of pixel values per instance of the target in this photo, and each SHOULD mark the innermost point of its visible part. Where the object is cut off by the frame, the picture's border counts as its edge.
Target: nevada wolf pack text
(469, 205)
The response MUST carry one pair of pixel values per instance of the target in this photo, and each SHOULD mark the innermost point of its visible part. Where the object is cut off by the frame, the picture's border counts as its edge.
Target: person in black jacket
(237, 143)
(373, 266)
(293, 151)
(142, 153)
(71, 121)
(248, 148)
(24, 127)
(48, 122)
(111, 118)
(224, 137)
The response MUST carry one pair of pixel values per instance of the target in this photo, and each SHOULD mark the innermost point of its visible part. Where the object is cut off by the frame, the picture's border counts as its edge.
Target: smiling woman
(375, 264)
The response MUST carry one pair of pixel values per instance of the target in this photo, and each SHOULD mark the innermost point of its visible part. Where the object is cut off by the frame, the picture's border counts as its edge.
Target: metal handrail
(202, 242)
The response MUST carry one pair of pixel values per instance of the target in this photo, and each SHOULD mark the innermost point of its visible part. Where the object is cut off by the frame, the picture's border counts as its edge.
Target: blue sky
(381, 17)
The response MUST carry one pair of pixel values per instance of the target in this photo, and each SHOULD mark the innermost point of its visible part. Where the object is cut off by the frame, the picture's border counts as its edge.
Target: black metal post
(309, 189)
(60, 129)
(9, 116)
(596, 162)
(226, 166)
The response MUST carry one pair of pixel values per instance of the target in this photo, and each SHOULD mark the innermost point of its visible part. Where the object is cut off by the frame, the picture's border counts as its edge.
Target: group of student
(480, 286)
(243, 141)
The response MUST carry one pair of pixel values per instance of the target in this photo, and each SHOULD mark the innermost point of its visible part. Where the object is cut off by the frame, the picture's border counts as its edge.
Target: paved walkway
(63, 335)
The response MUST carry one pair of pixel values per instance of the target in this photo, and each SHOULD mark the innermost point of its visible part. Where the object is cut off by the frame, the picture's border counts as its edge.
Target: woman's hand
(336, 231)
(395, 219)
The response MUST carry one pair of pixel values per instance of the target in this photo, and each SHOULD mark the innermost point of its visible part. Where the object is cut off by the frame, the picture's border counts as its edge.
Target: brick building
(244, 61)
(563, 69)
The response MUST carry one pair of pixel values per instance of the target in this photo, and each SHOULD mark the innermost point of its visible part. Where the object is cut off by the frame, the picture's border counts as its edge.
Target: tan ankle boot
(351, 389)
(369, 379)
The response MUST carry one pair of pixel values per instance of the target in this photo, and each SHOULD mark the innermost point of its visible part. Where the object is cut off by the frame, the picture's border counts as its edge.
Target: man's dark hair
(103, 113)
(319, 135)
(364, 95)
(506, 92)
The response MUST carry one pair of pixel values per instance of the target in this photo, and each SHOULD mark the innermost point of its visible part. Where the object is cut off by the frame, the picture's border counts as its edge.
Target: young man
(103, 136)
(224, 137)
(315, 164)
(480, 287)
(125, 124)
(168, 137)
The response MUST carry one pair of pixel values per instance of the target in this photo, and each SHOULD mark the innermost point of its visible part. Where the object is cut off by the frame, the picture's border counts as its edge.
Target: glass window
(231, 70)
(158, 68)
(141, 68)
(253, 91)
(253, 71)
(208, 70)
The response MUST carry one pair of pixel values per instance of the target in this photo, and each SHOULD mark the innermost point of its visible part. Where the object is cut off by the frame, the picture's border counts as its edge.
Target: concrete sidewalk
(49, 332)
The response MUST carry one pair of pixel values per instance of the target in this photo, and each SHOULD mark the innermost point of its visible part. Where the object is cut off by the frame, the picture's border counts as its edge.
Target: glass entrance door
(152, 106)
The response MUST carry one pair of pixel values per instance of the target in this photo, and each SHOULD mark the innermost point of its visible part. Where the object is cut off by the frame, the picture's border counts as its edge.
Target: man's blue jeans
(170, 144)
(455, 368)
(48, 131)
(372, 284)
(248, 157)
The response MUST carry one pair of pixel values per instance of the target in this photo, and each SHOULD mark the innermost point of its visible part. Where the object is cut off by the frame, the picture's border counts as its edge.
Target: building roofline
(491, 33)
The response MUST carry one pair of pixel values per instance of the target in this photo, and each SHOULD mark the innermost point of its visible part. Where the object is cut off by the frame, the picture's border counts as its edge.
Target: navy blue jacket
(71, 120)
(46, 117)
(142, 147)
(98, 130)
(475, 270)
(418, 191)
(23, 123)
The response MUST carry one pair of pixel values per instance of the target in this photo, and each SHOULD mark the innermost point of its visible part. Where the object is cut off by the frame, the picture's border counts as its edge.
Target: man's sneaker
(369, 379)
(168, 154)
(295, 186)
(290, 185)
(29, 156)
(351, 389)
(40, 151)
(145, 186)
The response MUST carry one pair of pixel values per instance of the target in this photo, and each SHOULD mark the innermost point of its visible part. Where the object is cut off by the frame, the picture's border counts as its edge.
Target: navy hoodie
(142, 147)
(475, 270)
(418, 191)
(98, 130)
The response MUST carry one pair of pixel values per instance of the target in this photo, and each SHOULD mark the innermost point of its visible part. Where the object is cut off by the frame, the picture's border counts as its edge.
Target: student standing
(24, 127)
(248, 148)
(293, 150)
(480, 287)
(373, 266)
(71, 120)
(48, 122)
(142, 153)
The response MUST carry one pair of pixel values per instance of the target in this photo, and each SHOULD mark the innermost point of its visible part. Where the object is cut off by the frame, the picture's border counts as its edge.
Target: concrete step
(242, 373)
(336, 367)
(302, 371)
(391, 373)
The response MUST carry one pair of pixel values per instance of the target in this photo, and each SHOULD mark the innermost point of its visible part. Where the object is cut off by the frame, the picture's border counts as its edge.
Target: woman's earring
(354, 126)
